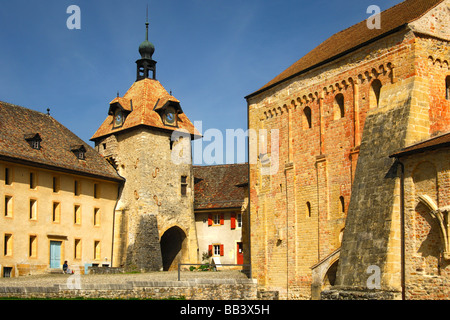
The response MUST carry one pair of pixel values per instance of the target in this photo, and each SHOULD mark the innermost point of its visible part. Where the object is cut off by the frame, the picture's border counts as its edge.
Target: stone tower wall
(151, 200)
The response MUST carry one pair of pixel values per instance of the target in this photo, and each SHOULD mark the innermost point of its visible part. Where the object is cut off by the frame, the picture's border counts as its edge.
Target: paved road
(46, 280)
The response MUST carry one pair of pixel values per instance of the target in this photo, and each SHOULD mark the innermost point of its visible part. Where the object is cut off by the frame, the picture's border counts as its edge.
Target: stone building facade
(425, 189)
(331, 210)
(146, 136)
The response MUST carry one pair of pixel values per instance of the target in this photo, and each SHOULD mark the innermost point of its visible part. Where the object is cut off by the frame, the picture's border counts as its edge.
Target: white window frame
(239, 220)
(216, 219)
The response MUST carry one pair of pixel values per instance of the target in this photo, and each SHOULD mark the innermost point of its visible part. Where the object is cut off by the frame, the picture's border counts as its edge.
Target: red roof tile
(17, 123)
(220, 186)
(354, 37)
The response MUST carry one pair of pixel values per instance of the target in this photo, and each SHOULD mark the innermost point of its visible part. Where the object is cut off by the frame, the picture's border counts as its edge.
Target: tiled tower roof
(142, 102)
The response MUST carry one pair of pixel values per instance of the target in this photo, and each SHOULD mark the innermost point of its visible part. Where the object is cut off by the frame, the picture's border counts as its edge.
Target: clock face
(118, 119)
(170, 116)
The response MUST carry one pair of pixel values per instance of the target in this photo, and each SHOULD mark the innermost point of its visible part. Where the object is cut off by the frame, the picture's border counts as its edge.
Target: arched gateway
(173, 248)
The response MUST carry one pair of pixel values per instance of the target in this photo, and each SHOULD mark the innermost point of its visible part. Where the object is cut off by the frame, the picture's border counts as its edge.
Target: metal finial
(146, 25)
(48, 111)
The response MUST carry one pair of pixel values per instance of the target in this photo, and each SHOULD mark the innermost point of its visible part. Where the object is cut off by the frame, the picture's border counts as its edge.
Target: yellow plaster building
(57, 197)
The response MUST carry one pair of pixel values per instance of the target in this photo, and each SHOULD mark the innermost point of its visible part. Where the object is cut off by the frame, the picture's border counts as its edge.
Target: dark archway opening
(172, 243)
(330, 276)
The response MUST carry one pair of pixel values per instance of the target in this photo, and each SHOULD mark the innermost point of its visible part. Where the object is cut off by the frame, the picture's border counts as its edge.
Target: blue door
(55, 254)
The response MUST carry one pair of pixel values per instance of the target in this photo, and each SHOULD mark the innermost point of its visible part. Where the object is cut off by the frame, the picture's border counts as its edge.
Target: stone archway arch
(330, 276)
(324, 273)
(173, 247)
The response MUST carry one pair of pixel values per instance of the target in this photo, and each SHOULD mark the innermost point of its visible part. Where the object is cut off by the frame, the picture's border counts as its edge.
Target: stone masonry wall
(298, 213)
(416, 110)
(151, 202)
(427, 273)
(190, 290)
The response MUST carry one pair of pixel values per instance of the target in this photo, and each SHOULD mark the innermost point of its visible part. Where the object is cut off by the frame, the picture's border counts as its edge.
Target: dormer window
(34, 140)
(79, 151)
(119, 108)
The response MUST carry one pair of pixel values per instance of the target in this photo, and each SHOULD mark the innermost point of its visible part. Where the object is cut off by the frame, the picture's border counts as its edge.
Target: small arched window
(339, 110)
(375, 92)
(307, 121)
(447, 88)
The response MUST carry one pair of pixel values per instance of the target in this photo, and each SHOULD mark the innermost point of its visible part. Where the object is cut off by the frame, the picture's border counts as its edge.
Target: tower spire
(146, 63)
(146, 25)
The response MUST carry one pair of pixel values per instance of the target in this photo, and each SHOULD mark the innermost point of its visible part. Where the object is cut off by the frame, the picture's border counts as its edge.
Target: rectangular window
(96, 191)
(56, 212)
(32, 180)
(56, 185)
(8, 176)
(183, 185)
(33, 209)
(7, 250)
(35, 144)
(77, 249)
(7, 271)
(97, 253)
(77, 214)
(217, 219)
(8, 206)
(76, 188)
(96, 216)
(33, 247)
(447, 87)
(218, 250)
(239, 220)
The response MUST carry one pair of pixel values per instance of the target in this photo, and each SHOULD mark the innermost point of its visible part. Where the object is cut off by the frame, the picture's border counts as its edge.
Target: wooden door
(55, 254)
(239, 253)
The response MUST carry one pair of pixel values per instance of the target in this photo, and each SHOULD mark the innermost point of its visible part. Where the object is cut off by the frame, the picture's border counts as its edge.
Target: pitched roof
(220, 186)
(354, 37)
(55, 153)
(143, 99)
(437, 142)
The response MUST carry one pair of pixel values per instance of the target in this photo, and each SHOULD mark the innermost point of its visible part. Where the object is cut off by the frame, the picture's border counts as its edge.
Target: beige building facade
(221, 213)
(56, 204)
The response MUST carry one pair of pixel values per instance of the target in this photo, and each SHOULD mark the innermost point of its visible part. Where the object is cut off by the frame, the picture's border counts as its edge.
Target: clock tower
(144, 131)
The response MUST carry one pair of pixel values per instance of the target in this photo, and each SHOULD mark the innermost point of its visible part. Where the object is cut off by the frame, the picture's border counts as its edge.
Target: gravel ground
(46, 280)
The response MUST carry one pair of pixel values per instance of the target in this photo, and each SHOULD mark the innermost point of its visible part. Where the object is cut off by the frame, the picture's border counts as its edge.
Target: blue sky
(210, 53)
